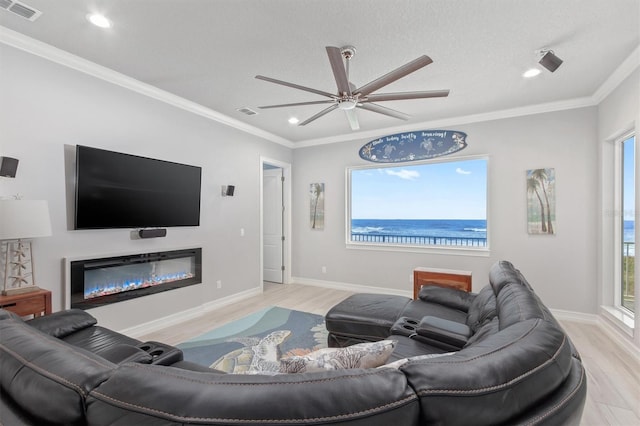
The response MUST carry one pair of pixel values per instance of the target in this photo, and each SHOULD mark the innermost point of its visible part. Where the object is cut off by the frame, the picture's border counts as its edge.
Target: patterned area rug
(258, 341)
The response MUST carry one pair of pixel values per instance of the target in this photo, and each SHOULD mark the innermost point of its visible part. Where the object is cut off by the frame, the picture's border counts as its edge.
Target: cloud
(460, 171)
(404, 174)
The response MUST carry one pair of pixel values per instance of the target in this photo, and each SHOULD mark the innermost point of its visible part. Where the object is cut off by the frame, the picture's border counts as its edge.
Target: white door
(272, 225)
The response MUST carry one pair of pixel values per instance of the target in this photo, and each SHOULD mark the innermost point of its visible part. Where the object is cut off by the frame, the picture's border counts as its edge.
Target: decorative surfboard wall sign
(413, 146)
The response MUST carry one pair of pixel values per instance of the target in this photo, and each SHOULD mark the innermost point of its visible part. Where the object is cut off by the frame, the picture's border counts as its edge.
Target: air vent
(20, 9)
(246, 110)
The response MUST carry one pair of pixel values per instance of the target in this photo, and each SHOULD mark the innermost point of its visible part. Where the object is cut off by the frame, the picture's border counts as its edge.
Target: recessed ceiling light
(293, 120)
(531, 73)
(99, 20)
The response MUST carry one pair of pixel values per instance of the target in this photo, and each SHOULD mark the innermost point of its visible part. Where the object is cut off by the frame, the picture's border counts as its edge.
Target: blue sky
(445, 190)
(628, 180)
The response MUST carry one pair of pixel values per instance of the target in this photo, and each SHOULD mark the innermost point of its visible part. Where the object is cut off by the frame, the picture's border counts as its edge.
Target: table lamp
(21, 220)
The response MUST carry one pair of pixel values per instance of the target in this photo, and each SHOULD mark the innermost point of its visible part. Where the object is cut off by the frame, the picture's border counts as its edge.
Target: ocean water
(453, 228)
(629, 231)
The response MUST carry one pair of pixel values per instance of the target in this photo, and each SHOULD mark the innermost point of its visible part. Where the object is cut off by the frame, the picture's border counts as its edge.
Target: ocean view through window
(627, 284)
(434, 204)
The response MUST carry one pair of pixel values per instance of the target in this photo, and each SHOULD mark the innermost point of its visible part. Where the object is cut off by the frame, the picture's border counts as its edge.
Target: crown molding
(623, 71)
(62, 57)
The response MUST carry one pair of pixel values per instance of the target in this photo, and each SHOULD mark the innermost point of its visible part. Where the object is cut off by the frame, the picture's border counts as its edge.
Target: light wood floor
(613, 375)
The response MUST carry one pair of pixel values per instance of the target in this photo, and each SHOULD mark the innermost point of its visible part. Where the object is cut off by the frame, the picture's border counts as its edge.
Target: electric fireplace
(98, 282)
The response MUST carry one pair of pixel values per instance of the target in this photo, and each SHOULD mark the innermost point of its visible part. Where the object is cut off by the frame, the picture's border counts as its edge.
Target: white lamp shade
(23, 219)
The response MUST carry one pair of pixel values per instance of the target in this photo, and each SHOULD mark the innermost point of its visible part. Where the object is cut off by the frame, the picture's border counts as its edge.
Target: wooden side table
(440, 277)
(33, 303)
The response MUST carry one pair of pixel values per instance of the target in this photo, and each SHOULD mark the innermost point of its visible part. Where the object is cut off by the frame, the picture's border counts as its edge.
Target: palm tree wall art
(541, 201)
(316, 197)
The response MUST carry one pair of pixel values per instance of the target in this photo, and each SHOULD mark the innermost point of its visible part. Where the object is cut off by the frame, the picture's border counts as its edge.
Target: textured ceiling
(209, 52)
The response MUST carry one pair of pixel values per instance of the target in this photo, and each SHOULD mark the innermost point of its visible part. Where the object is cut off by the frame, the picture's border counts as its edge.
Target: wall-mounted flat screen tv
(116, 190)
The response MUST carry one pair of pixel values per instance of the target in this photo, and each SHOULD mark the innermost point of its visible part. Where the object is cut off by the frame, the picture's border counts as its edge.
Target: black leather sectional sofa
(504, 358)
(507, 362)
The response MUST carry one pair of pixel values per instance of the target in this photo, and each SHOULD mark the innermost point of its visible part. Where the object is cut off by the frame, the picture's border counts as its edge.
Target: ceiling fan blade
(379, 97)
(384, 110)
(339, 72)
(297, 104)
(353, 119)
(318, 115)
(295, 86)
(394, 75)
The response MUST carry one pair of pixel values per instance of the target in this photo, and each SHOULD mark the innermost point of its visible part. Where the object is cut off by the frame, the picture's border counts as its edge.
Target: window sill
(619, 318)
(452, 251)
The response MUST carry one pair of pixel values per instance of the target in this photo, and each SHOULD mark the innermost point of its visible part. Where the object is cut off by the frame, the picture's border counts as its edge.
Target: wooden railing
(628, 275)
(419, 240)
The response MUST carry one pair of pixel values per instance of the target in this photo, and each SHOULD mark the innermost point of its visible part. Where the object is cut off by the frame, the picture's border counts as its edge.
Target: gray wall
(46, 107)
(561, 267)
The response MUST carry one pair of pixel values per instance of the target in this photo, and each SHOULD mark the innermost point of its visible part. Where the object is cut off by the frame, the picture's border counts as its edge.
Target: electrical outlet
(324, 269)
(219, 284)
(242, 232)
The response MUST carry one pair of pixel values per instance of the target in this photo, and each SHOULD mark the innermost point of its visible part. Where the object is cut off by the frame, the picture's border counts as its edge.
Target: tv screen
(116, 190)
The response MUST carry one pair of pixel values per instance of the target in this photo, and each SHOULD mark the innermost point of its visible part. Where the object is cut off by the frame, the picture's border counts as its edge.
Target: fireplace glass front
(98, 282)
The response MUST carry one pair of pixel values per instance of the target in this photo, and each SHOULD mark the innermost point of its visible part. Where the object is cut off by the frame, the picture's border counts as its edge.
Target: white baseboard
(356, 288)
(179, 317)
(619, 336)
(563, 315)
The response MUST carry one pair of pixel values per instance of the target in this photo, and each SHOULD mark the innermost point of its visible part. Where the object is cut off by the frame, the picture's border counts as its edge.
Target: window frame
(618, 231)
(436, 249)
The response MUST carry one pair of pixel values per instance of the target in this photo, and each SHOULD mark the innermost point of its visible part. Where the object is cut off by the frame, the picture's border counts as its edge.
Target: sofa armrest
(63, 323)
(447, 296)
(439, 329)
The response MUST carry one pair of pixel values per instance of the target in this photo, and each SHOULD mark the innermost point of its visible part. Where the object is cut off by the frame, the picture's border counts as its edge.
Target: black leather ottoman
(363, 317)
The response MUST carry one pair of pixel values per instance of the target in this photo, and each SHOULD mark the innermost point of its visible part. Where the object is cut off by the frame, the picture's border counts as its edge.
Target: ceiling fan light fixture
(347, 104)
(349, 96)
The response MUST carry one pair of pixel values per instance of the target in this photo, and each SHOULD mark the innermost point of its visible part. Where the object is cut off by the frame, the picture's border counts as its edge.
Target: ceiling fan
(349, 97)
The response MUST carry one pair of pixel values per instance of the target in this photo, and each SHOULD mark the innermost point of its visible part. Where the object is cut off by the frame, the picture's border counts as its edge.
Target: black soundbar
(152, 233)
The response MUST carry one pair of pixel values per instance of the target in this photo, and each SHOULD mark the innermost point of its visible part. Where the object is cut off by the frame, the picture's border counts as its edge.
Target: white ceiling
(208, 52)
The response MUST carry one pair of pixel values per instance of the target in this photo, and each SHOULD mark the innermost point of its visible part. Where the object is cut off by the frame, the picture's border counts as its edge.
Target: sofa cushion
(46, 376)
(98, 339)
(62, 323)
(451, 297)
(515, 304)
(503, 273)
(482, 309)
(417, 309)
(363, 355)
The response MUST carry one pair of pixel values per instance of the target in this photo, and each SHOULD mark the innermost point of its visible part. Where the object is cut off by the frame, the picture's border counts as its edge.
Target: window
(435, 204)
(627, 231)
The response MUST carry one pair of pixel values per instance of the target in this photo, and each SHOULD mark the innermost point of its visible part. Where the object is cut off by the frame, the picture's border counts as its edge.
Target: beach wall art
(413, 146)
(316, 204)
(541, 201)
